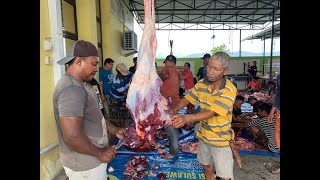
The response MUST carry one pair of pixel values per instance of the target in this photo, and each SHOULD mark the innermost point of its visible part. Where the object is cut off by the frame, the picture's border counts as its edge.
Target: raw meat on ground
(190, 147)
(243, 144)
(261, 96)
(136, 167)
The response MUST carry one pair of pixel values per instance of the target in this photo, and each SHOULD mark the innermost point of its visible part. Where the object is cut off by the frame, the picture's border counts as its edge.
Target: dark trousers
(173, 137)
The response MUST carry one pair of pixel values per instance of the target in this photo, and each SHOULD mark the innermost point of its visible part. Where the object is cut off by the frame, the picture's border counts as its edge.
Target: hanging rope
(274, 44)
(251, 36)
(232, 41)
(229, 35)
(169, 44)
(252, 31)
(213, 36)
(169, 38)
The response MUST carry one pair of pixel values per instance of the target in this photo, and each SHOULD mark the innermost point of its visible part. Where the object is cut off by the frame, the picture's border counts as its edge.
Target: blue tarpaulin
(185, 166)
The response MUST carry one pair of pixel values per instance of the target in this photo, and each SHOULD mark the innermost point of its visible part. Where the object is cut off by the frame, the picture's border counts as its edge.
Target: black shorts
(118, 109)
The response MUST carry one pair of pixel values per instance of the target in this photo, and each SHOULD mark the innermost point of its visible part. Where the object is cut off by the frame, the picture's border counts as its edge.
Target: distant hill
(161, 56)
(195, 55)
(232, 54)
(244, 54)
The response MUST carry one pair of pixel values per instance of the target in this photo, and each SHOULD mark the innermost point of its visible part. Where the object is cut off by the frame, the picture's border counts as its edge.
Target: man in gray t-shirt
(82, 129)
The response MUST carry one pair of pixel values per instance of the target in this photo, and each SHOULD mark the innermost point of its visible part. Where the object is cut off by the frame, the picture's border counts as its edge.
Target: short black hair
(239, 97)
(266, 107)
(171, 58)
(252, 97)
(108, 60)
(188, 64)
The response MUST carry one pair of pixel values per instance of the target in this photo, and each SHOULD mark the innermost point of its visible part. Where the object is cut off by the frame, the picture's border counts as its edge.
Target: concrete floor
(253, 168)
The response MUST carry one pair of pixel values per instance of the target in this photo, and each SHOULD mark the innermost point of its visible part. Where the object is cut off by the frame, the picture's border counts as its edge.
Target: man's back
(120, 86)
(170, 86)
(253, 70)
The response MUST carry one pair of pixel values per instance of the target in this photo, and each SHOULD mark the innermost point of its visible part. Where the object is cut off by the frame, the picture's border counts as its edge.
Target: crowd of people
(91, 114)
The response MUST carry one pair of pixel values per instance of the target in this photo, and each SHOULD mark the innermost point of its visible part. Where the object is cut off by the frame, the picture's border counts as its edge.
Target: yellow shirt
(217, 129)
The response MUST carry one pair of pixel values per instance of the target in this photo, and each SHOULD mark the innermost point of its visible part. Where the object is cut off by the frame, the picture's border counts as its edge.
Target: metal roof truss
(209, 14)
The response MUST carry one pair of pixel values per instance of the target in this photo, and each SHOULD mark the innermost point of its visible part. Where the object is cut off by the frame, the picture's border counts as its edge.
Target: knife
(121, 141)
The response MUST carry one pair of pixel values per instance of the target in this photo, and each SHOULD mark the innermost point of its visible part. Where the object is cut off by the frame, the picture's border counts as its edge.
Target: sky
(186, 42)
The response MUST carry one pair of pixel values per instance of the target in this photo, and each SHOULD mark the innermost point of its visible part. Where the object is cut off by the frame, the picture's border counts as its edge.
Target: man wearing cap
(202, 72)
(119, 90)
(170, 90)
(82, 129)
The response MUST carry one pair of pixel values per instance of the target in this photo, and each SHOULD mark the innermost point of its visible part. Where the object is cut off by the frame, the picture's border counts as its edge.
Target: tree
(222, 47)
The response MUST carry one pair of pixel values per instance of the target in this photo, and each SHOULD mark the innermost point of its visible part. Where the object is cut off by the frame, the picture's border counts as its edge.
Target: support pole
(240, 45)
(272, 32)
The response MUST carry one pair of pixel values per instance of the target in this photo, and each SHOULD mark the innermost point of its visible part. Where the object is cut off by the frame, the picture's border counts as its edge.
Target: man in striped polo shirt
(216, 95)
(263, 131)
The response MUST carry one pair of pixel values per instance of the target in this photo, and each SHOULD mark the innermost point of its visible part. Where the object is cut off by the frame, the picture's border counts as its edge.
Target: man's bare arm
(181, 120)
(235, 119)
(79, 142)
(75, 138)
(239, 125)
(118, 132)
(199, 116)
(101, 93)
(182, 103)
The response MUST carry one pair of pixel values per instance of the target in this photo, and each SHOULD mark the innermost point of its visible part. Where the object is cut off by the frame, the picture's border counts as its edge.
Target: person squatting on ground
(82, 129)
(262, 131)
(237, 115)
(254, 85)
(216, 95)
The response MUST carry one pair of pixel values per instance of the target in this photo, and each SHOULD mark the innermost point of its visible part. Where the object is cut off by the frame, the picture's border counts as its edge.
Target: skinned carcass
(147, 106)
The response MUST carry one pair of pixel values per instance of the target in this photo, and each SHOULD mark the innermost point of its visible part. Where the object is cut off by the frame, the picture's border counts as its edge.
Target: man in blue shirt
(202, 72)
(105, 79)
